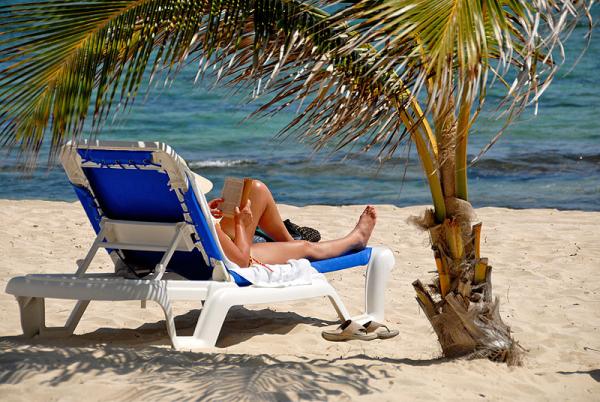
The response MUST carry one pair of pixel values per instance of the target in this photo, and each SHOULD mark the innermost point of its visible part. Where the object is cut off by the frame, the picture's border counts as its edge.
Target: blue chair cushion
(349, 260)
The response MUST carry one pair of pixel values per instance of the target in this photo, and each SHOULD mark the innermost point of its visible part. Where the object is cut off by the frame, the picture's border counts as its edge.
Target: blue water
(549, 160)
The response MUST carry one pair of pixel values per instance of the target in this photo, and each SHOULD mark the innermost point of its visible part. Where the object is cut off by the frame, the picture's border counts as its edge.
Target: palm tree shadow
(132, 355)
(187, 375)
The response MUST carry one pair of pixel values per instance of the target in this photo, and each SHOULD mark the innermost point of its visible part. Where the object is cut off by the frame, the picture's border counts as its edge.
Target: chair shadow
(241, 324)
(595, 374)
(187, 375)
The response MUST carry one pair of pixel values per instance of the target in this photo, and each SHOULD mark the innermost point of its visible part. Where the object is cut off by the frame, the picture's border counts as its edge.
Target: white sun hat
(202, 183)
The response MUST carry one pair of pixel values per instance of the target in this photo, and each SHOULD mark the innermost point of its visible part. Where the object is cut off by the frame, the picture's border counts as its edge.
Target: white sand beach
(546, 266)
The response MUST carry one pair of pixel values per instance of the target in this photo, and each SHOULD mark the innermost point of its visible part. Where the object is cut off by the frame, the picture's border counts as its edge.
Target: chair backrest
(144, 182)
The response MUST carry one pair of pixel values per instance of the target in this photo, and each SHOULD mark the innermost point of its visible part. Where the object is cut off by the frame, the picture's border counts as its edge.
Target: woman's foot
(364, 228)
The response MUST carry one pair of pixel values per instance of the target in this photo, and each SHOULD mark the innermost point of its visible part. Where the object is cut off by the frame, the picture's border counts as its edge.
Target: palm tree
(370, 73)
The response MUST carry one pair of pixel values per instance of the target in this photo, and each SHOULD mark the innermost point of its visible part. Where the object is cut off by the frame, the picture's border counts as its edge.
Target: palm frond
(67, 56)
(354, 76)
(64, 56)
(457, 47)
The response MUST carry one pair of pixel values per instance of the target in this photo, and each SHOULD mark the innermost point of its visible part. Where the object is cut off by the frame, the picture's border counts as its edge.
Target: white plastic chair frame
(219, 297)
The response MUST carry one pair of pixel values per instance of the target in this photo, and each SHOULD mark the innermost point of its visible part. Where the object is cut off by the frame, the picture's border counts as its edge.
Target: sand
(546, 265)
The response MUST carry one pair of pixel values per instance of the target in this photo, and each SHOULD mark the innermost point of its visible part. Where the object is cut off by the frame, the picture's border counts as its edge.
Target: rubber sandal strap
(349, 330)
(372, 327)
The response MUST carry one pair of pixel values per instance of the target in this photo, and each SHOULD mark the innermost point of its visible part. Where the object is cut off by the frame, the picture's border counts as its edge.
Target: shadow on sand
(176, 375)
(595, 374)
(172, 375)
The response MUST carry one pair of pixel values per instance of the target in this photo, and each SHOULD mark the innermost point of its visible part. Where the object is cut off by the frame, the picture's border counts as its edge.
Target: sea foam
(219, 163)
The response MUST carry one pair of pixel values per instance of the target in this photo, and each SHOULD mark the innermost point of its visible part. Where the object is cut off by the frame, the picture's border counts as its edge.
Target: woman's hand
(243, 217)
(214, 208)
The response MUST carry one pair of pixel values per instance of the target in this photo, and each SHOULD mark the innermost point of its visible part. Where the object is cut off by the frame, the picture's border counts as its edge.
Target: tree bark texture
(459, 303)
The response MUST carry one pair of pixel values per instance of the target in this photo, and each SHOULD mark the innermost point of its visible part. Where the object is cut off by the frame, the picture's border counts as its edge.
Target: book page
(232, 195)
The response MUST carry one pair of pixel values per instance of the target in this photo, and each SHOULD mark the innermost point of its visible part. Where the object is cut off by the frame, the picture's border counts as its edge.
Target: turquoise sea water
(549, 160)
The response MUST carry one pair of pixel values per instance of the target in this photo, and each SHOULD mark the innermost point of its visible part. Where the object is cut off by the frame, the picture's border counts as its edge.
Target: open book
(235, 193)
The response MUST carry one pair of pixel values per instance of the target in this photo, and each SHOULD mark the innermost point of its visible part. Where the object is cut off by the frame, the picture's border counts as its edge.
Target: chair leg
(75, 316)
(212, 317)
(208, 327)
(32, 315)
(378, 272)
(169, 321)
(338, 305)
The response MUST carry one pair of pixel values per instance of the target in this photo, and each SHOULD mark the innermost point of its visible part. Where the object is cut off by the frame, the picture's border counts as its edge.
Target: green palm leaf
(456, 47)
(65, 56)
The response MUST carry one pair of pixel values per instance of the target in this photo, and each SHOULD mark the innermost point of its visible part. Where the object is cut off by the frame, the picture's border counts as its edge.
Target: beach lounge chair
(146, 209)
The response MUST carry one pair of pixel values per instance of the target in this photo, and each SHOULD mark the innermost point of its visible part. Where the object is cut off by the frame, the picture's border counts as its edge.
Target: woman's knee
(258, 195)
(258, 187)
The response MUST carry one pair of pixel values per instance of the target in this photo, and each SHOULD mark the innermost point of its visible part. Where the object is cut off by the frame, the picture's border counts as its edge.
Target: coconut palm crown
(368, 74)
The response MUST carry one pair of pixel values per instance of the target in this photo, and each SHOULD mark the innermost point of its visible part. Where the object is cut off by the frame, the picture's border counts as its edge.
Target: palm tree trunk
(445, 128)
(459, 303)
(447, 146)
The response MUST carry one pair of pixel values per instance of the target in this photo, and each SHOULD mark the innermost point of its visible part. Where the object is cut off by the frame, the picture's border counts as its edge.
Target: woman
(235, 234)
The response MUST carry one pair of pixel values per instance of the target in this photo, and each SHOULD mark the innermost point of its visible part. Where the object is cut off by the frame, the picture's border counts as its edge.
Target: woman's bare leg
(264, 213)
(270, 221)
(280, 252)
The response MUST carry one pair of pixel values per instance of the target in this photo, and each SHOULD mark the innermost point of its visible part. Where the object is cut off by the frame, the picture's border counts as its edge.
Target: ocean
(548, 160)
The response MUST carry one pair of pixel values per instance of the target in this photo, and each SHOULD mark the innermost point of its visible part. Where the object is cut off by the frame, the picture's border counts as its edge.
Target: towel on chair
(294, 273)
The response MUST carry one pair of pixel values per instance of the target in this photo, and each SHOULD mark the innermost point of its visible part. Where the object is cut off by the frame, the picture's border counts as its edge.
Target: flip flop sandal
(292, 229)
(309, 234)
(349, 330)
(380, 330)
(302, 232)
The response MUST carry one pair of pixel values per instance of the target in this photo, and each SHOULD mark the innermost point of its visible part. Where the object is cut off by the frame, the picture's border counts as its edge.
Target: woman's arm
(238, 250)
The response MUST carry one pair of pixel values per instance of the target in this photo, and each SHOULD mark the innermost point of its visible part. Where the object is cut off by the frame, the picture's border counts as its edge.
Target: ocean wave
(537, 163)
(217, 163)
